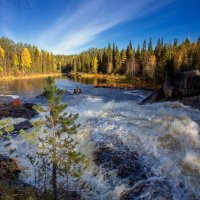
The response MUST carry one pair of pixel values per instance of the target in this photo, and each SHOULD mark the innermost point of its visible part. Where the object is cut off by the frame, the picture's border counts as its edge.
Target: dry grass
(32, 76)
(121, 82)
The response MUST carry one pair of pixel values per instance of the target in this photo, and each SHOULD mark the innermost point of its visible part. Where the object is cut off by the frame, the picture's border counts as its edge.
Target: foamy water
(165, 135)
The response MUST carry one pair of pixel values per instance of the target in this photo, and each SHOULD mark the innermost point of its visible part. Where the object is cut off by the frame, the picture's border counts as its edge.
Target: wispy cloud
(92, 18)
(84, 21)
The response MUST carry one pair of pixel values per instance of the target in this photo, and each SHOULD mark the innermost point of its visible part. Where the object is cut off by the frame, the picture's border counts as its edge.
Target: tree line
(24, 59)
(154, 64)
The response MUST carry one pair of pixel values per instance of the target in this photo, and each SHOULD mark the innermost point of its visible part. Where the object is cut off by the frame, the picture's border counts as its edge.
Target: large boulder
(181, 85)
(17, 111)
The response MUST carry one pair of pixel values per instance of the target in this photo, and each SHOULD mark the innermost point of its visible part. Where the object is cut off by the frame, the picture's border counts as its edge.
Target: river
(159, 142)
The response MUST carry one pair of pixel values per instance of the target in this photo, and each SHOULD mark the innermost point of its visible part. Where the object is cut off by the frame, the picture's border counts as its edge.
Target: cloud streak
(92, 18)
(84, 21)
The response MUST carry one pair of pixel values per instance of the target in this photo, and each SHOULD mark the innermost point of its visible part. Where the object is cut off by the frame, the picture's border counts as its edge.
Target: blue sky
(71, 26)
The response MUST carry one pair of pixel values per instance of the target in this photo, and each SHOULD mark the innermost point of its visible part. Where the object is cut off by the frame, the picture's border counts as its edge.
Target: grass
(122, 82)
(13, 192)
(32, 76)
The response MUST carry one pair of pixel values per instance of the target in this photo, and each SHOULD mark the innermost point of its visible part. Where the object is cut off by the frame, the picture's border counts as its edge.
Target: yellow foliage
(150, 67)
(26, 58)
(1, 69)
(2, 52)
(95, 65)
(15, 60)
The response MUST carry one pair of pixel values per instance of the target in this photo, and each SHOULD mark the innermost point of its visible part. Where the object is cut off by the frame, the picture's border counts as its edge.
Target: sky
(72, 26)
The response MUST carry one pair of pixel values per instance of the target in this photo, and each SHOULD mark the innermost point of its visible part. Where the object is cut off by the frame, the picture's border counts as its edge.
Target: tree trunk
(54, 180)
(54, 171)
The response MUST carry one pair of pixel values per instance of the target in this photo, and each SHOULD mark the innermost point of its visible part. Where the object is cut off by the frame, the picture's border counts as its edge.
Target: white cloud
(84, 23)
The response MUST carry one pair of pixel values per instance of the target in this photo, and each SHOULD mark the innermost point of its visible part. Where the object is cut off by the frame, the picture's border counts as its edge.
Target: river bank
(119, 82)
(31, 76)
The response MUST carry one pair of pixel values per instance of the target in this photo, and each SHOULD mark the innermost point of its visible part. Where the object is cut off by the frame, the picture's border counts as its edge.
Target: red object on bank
(17, 102)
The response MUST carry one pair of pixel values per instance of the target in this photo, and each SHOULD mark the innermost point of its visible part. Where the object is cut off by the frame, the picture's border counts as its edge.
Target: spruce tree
(150, 47)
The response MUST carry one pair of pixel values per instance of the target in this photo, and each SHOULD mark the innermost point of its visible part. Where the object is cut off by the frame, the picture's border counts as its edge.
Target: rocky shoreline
(184, 87)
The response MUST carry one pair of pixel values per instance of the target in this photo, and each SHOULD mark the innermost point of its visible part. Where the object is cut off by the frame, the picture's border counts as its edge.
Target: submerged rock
(157, 189)
(127, 164)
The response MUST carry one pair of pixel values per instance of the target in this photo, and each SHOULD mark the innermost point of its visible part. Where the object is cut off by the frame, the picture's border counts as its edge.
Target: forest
(154, 64)
(24, 59)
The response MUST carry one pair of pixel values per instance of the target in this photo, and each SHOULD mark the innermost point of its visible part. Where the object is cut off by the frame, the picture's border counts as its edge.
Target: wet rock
(72, 195)
(22, 125)
(127, 163)
(6, 99)
(168, 89)
(77, 90)
(194, 101)
(25, 125)
(181, 85)
(22, 111)
(9, 168)
(157, 189)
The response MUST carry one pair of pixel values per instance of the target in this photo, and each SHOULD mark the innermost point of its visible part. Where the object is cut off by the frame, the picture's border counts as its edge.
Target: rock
(77, 91)
(21, 111)
(22, 125)
(9, 168)
(148, 190)
(6, 99)
(150, 99)
(168, 89)
(72, 195)
(127, 164)
(194, 101)
(181, 85)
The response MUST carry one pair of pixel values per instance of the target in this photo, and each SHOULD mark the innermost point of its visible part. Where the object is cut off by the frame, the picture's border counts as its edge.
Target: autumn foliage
(17, 103)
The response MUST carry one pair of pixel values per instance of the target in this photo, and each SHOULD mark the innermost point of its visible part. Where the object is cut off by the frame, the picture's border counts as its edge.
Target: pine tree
(109, 59)
(123, 60)
(57, 149)
(150, 47)
(175, 45)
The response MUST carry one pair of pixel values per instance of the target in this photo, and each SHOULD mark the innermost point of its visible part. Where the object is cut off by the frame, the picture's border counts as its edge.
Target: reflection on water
(34, 87)
(88, 81)
(22, 87)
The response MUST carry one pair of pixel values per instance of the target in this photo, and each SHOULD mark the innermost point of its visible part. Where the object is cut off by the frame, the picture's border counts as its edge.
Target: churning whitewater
(137, 152)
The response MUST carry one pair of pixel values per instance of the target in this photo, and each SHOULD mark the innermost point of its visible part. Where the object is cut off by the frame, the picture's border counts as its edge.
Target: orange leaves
(17, 102)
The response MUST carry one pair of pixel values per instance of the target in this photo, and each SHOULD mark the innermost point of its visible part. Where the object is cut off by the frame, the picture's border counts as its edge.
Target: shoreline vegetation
(119, 81)
(30, 76)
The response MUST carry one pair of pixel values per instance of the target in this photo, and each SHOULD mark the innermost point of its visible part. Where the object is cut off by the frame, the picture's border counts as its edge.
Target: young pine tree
(57, 148)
